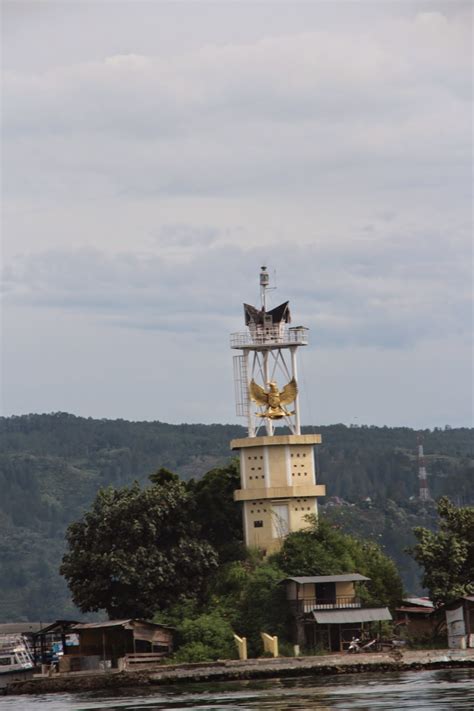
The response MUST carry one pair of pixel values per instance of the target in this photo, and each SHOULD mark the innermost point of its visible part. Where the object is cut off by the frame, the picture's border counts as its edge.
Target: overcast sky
(155, 154)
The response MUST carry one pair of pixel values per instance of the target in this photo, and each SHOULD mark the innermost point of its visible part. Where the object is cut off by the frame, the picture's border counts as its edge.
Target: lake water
(449, 689)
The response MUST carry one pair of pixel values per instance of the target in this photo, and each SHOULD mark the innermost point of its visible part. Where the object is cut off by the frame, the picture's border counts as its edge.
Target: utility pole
(424, 493)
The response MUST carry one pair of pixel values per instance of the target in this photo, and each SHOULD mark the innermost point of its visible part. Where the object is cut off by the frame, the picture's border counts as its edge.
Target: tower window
(258, 524)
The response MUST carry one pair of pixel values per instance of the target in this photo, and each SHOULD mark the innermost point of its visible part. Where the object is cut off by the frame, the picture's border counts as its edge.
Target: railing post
(241, 643)
(270, 644)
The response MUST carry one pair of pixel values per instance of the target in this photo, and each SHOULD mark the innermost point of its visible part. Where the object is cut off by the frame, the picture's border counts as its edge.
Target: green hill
(51, 467)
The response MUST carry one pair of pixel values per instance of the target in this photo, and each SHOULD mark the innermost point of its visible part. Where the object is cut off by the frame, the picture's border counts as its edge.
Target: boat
(16, 660)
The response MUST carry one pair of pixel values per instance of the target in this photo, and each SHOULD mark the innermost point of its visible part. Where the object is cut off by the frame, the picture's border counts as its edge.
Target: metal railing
(297, 336)
(309, 604)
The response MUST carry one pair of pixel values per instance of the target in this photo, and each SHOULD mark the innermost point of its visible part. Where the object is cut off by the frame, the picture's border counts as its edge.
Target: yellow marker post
(270, 644)
(241, 643)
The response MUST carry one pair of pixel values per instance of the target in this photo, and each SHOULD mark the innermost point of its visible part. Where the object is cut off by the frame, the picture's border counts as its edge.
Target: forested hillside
(51, 467)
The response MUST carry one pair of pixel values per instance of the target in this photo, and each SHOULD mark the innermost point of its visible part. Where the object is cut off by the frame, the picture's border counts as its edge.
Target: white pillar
(250, 420)
(297, 400)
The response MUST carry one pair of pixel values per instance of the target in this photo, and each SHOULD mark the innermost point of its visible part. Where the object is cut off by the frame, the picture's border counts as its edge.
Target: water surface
(449, 689)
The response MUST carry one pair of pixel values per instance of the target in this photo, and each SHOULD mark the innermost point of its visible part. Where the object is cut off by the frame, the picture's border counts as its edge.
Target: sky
(156, 154)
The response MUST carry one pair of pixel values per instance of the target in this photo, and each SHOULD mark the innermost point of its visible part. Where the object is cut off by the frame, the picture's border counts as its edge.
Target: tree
(163, 476)
(322, 549)
(136, 550)
(205, 638)
(216, 512)
(248, 595)
(447, 555)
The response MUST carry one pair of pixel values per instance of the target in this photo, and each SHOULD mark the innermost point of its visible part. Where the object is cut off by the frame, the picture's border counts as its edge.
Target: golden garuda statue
(274, 400)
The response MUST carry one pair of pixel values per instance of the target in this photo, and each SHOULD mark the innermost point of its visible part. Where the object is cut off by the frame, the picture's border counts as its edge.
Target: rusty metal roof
(126, 624)
(416, 610)
(420, 601)
(370, 614)
(106, 623)
(344, 578)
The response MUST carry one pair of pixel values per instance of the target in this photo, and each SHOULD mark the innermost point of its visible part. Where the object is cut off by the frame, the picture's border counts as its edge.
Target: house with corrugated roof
(327, 612)
(418, 617)
(86, 646)
(460, 622)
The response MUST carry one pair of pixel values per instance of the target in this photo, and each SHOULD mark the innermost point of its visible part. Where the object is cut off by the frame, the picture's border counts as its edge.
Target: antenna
(264, 284)
(424, 493)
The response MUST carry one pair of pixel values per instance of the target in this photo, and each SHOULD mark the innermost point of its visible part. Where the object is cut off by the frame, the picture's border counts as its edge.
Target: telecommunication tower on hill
(424, 493)
(278, 478)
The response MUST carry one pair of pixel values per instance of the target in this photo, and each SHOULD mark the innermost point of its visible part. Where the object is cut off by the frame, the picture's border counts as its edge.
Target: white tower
(423, 479)
(269, 351)
(278, 477)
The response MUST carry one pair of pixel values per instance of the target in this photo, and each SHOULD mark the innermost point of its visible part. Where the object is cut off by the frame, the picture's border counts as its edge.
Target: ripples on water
(451, 689)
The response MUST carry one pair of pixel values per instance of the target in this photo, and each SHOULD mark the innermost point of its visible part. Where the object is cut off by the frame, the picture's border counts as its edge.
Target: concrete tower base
(279, 489)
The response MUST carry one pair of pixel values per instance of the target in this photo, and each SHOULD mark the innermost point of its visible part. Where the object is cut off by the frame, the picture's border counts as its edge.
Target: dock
(234, 670)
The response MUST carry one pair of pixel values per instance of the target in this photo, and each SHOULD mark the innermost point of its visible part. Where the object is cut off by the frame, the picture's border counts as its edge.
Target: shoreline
(235, 670)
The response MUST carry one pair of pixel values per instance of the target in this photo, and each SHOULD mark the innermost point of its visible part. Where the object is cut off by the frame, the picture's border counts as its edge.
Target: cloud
(392, 293)
(152, 161)
(281, 113)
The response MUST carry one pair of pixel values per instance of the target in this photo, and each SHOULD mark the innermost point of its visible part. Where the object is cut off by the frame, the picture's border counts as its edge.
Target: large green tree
(219, 517)
(137, 550)
(322, 549)
(447, 555)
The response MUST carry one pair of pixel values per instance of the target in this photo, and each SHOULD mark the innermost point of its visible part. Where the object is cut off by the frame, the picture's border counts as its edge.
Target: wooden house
(108, 641)
(99, 645)
(417, 616)
(326, 611)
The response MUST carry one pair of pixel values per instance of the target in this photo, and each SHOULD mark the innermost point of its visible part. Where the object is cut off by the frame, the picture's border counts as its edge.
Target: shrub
(205, 638)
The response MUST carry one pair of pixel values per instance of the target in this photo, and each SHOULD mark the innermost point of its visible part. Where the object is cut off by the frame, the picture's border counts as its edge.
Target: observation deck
(262, 338)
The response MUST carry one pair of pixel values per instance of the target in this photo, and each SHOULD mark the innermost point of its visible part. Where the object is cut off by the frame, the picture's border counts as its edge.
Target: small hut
(102, 644)
(460, 622)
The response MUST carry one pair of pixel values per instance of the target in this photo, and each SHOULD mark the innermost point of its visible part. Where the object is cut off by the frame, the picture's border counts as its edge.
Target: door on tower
(280, 520)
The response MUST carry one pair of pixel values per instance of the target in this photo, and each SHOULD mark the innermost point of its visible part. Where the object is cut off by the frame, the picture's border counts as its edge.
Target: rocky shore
(250, 669)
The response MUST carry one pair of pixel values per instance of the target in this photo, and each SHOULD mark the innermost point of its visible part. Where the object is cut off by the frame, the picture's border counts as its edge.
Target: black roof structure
(257, 316)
